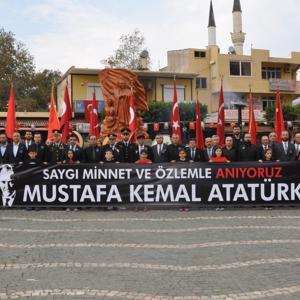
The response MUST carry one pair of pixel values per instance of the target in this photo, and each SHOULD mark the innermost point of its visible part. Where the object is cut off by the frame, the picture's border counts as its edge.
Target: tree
(16, 66)
(290, 113)
(128, 54)
(41, 90)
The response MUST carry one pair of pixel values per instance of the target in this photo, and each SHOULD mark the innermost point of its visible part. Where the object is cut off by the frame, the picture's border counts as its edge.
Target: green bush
(290, 113)
(161, 112)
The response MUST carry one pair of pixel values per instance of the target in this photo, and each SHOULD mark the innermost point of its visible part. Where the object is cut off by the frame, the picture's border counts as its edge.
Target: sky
(64, 33)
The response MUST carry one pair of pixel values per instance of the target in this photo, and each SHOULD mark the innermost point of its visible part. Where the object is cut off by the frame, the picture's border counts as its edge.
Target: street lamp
(240, 107)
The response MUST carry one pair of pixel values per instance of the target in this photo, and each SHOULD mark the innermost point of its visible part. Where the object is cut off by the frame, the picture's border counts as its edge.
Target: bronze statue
(116, 85)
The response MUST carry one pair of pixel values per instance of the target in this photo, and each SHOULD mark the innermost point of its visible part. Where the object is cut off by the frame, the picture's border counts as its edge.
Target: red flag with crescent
(94, 120)
(221, 117)
(132, 120)
(175, 118)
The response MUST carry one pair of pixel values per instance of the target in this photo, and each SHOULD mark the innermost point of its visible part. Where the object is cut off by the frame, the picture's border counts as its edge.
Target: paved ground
(200, 255)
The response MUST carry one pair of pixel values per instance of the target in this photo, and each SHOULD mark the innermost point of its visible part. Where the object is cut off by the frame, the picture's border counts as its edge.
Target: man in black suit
(3, 148)
(159, 150)
(193, 153)
(41, 149)
(73, 145)
(247, 151)
(297, 144)
(208, 152)
(140, 145)
(111, 145)
(237, 137)
(264, 145)
(272, 140)
(93, 153)
(28, 139)
(16, 151)
(229, 151)
(285, 151)
(126, 148)
(174, 148)
(215, 141)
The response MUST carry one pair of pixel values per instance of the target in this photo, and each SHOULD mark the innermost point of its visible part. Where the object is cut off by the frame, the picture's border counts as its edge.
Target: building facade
(201, 71)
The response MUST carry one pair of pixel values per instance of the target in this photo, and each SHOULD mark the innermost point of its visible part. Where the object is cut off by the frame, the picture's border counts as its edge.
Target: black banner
(130, 185)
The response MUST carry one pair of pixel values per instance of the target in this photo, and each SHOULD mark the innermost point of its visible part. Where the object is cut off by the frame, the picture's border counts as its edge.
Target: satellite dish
(144, 54)
(231, 50)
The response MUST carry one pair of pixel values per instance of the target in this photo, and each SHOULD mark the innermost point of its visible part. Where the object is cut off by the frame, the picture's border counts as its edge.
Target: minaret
(238, 36)
(212, 36)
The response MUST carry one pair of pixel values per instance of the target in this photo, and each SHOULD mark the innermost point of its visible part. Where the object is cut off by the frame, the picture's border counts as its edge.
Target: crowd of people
(237, 148)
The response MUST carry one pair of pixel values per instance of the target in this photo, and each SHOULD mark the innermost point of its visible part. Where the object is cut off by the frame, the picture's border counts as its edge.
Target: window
(268, 102)
(271, 73)
(168, 93)
(91, 87)
(200, 54)
(240, 68)
(201, 83)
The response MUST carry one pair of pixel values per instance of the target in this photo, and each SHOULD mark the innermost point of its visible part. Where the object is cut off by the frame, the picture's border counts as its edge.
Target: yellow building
(159, 86)
(201, 71)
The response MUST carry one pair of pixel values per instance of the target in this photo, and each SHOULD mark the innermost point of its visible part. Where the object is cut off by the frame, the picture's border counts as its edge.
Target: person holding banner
(109, 157)
(297, 145)
(218, 156)
(143, 158)
(267, 156)
(194, 154)
(159, 150)
(92, 153)
(71, 158)
(16, 151)
(141, 146)
(126, 147)
(112, 145)
(209, 150)
(285, 151)
(174, 148)
(57, 149)
(182, 156)
(229, 151)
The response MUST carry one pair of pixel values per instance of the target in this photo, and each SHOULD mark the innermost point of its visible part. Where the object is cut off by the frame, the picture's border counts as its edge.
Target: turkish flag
(132, 121)
(221, 117)
(252, 122)
(94, 121)
(87, 110)
(53, 122)
(199, 131)
(279, 122)
(66, 116)
(11, 123)
(175, 118)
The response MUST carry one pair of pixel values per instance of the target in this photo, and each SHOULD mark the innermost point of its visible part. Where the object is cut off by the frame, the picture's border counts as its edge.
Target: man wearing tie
(159, 150)
(297, 144)
(209, 150)
(263, 146)
(72, 145)
(92, 153)
(111, 145)
(126, 147)
(57, 150)
(285, 151)
(3, 148)
(194, 154)
(16, 151)
(141, 146)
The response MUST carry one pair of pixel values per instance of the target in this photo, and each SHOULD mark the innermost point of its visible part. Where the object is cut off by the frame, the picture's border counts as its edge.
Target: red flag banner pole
(199, 131)
(132, 116)
(66, 116)
(11, 123)
(252, 122)
(175, 117)
(221, 117)
(279, 121)
(53, 122)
